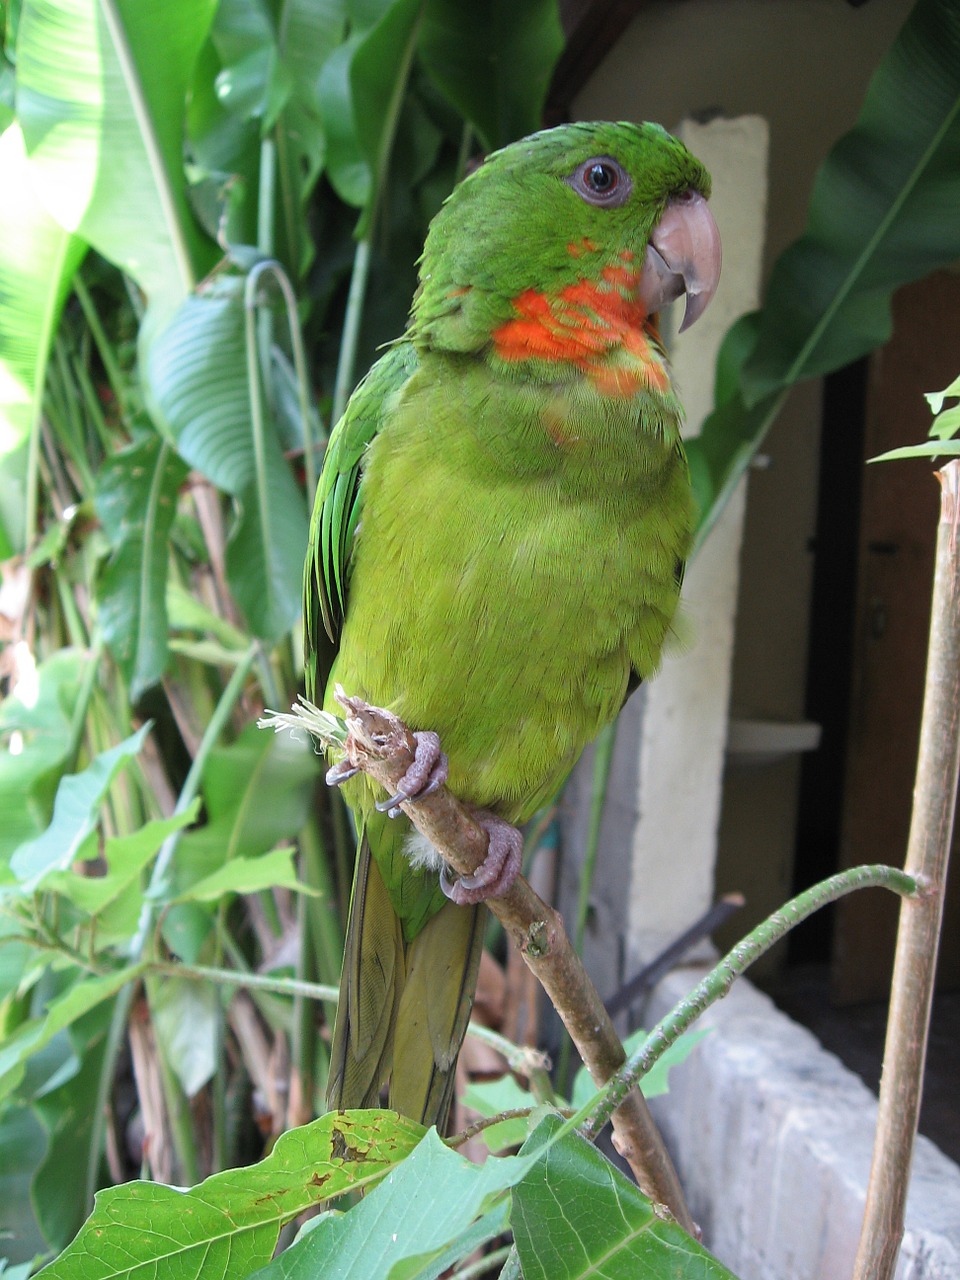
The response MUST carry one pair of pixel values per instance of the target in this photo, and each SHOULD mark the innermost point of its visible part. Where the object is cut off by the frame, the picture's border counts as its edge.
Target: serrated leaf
(493, 61)
(37, 262)
(229, 1224)
(404, 1227)
(575, 1215)
(101, 91)
(136, 500)
(75, 813)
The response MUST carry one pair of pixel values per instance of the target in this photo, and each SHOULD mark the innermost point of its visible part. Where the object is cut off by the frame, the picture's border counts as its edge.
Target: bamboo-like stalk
(928, 851)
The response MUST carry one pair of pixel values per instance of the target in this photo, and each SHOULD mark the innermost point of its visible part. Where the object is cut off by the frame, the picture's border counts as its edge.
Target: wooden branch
(380, 745)
(928, 851)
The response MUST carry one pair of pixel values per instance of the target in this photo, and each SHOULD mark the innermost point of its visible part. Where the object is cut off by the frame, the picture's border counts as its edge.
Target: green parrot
(496, 548)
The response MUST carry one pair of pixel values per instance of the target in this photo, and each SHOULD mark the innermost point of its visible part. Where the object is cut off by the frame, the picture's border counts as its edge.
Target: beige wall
(803, 65)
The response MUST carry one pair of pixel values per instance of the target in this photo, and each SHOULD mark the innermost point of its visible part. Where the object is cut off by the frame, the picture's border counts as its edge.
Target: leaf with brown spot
(229, 1224)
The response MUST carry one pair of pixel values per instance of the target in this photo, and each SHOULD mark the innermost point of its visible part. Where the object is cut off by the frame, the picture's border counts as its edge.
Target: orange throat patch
(598, 326)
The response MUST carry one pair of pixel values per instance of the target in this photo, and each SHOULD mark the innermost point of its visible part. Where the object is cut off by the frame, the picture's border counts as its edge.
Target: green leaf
(101, 92)
(257, 794)
(493, 61)
(37, 262)
(42, 716)
(882, 214)
(229, 1224)
(655, 1082)
(185, 1017)
(357, 89)
(405, 1227)
(136, 500)
(490, 1098)
(248, 875)
(576, 1215)
(32, 1036)
(926, 449)
(75, 813)
(20, 1132)
(68, 1111)
(197, 377)
(126, 857)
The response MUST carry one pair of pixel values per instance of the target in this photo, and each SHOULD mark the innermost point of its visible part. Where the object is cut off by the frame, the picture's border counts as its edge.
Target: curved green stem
(719, 980)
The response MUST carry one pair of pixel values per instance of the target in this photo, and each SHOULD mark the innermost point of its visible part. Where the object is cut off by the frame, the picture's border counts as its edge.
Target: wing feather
(336, 512)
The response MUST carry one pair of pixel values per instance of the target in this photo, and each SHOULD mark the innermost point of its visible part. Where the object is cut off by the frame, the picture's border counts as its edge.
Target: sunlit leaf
(42, 717)
(229, 1224)
(406, 1226)
(37, 262)
(101, 91)
(126, 857)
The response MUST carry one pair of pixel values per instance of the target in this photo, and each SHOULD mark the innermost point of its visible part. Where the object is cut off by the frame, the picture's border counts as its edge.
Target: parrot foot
(340, 773)
(428, 772)
(498, 870)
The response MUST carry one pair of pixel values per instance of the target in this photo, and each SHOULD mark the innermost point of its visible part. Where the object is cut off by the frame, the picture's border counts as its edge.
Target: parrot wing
(336, 512)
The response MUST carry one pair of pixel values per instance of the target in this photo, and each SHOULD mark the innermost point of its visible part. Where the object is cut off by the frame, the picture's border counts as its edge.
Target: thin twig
(928, 851)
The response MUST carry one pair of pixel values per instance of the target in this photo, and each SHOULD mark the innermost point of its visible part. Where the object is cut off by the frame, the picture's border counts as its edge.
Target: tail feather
(435, 1006)
(404, 1006)
(370, 987)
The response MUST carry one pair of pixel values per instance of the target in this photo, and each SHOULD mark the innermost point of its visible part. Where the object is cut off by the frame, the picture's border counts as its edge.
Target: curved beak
(683, 256)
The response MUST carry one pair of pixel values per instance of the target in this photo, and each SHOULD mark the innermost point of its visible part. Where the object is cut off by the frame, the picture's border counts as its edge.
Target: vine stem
(715, 985)
(918, 935)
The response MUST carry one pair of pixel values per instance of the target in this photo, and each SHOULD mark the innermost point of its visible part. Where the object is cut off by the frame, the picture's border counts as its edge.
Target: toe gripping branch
(377, 744)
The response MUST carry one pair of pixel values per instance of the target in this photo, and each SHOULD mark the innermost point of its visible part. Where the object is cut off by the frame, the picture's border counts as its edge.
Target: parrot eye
(601, 181)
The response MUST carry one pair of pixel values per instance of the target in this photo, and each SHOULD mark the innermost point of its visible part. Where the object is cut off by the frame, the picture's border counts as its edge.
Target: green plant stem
(178, 1108)
(719, 980)
(104, 347)
(347, 358)
(483, 1265)
(138, 945)
(918, 935)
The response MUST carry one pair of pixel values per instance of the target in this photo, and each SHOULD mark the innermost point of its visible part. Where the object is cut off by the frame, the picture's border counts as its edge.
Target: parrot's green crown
(553, 211)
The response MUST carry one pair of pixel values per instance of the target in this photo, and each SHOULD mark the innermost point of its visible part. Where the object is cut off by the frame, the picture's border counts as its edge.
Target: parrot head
(563, 246)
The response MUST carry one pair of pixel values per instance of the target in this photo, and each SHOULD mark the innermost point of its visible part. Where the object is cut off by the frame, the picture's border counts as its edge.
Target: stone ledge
(773, 1136)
